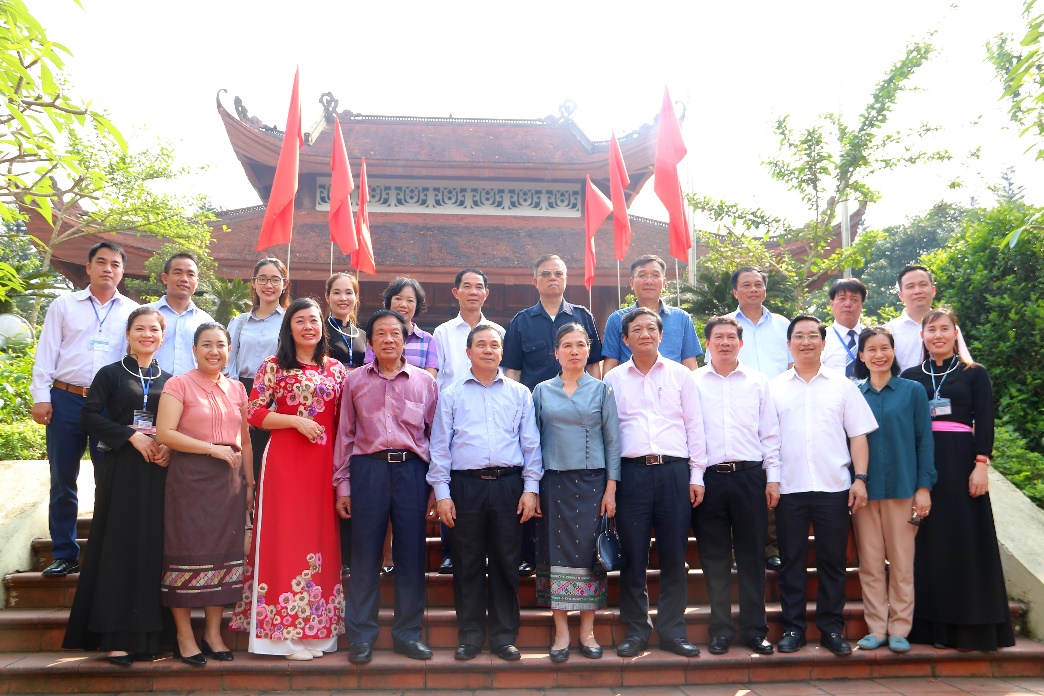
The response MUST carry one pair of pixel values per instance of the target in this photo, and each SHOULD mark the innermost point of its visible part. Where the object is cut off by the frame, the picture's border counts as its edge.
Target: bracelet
(210, 450)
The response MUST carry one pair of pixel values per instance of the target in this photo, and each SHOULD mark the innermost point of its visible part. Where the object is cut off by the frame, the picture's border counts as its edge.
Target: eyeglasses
(548, 274)
(801, 338)
(262, 280)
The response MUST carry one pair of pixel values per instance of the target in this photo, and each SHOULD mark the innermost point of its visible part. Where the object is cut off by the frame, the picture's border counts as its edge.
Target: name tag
(98, 344)
(940, 407)
(144, 422)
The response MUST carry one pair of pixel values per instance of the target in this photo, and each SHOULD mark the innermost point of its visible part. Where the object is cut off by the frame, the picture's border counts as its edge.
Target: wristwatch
(862, 477)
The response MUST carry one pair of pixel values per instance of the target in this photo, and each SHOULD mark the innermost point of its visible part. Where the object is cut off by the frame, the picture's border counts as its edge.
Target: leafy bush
(16, 374)
(22, 440)
(1022, 467)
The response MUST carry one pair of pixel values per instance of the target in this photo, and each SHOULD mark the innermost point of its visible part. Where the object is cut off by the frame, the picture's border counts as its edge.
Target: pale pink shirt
(739, 418)
(660, 413)
(212, 410)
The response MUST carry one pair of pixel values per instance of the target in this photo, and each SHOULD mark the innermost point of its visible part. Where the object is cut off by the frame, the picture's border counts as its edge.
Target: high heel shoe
(197, 660)
(222, 656)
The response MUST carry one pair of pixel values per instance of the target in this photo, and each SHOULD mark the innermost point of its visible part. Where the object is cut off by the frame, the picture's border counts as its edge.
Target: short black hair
(719, 321)
(484, 327)
(111, 246)
(397, 286)
(208, 326)
(648, 258)
(861, 370)
(286, 351)
(544, 259)
(570, 328)
(180, 255)
(636, 312)
(734, 280)
(807, 317)
(911, 269)
(847, 285)
(460, 277)
(385, 313)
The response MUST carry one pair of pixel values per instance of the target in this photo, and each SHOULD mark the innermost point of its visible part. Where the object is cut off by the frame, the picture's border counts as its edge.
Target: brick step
(43, 552)
(44, 629)
(32, 589)
(71, 672)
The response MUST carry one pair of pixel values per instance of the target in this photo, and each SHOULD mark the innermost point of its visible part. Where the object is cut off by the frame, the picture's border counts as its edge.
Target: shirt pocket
(412, 415)
(536, 350)
(508, 419)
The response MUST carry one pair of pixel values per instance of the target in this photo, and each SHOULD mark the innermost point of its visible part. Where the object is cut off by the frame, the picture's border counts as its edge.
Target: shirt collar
(250, 315)
(819, 373)
(864, 386)
(765, 314)
(163, 303)
(538, 309)
(472, 378)
(906, 318)
(660, 360)
(459, 321)
(662, 311)
(85, 294)
(407, 369)
(858, 328)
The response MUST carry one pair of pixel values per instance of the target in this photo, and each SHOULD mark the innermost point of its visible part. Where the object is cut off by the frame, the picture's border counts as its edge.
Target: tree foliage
(1020, 69)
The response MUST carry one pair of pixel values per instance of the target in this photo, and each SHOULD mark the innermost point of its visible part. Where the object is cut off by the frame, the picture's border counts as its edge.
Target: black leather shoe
(465, 652)
(413, 649)
(836, 644)
(223, 656)
(60, 568)
(591, 653)
(760, 646)
(197, 660)
(559, 656)
(526, 568)
(360, 653)
(446, 567)
(791, 642)
(346, 569)
(773, 563)
(121, 660)
(680, 646)
(719, 645)
(507, 651)
(387, 570)
(631, 647)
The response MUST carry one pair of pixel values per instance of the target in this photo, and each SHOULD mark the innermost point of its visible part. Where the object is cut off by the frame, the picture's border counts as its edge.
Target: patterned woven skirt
(204, 520)
(565, 541)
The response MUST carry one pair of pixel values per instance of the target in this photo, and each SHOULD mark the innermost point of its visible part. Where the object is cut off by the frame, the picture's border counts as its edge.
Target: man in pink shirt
(384, 453)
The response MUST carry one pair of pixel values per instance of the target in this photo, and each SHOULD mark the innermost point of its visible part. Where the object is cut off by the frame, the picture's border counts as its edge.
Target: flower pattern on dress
(311, 390)
(304, 612)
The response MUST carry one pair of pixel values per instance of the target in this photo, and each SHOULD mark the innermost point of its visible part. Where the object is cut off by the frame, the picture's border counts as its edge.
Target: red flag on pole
(362, 259)
(596, 209)
(670, 150)
(342, 224)
(278, 225)
(618, 181)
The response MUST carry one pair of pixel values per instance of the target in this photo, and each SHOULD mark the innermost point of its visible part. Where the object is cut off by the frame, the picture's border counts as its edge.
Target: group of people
(226, 459)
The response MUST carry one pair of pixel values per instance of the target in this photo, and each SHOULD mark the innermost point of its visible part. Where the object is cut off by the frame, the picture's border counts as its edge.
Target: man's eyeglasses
(262, 280)
(801, 338)
(548, 274)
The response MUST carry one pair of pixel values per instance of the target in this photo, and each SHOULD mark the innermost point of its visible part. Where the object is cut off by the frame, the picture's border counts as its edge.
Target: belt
(652, 460)
(490, 473)
(730, 467)
(72, 388)
(393, 455)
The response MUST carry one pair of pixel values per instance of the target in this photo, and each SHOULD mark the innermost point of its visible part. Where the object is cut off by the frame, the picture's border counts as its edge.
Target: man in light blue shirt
(180, 314)
(764, 333)
(679, 341)
(485, 469)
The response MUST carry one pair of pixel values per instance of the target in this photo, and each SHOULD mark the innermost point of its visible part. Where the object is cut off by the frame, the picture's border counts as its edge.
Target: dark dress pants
(66, 442)
(827, 513)
(732, 519)
(487, 525)
(654, 496)
(381, 490)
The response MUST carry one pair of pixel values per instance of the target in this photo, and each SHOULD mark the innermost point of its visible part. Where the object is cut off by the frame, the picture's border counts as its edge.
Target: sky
(156, 68)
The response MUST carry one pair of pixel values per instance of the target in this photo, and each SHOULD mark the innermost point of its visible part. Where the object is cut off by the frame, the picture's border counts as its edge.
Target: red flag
(618, 181)
(670, 150)
(596, 209)
(278, 225)
(342, 225)
(362, 259)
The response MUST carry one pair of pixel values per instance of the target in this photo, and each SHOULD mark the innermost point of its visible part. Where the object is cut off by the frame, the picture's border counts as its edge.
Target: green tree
(228, 297)
(1020, 69)
(824, 164)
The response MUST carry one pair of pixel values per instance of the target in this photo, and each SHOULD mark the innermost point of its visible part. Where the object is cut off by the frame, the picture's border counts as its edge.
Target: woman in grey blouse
(580, 444)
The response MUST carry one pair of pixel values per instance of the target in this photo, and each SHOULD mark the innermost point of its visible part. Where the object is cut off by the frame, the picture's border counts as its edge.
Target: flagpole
(590, 300)
(619, 299)
(288, 255)
(331, 258)
(677, 280)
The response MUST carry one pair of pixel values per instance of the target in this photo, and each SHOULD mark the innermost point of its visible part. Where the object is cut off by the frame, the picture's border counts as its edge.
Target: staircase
(33, 624)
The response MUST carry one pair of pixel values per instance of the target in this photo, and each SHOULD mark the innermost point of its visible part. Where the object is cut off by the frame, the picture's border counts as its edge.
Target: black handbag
(610, 551)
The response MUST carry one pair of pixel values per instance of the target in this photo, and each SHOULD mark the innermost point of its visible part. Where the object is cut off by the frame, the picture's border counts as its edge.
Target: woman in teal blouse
(580, 445)
(901, 475)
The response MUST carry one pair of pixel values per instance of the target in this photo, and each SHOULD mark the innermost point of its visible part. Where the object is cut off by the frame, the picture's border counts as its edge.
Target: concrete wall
(1020, 531)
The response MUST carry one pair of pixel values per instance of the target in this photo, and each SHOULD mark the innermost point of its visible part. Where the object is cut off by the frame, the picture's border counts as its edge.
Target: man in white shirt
(917, 291)
(847, 296)
(663, 458)
(470, 288)
(82, 332)
(826, 420)
(181, 316)
(742, 483)
(765, 348)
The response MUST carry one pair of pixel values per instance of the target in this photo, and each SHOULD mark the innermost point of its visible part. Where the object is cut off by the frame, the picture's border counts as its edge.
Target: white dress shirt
(764, 343)
(818, 417)
(451, 344)
(836, 355)
(739, 418)
(908, 343)
(660, 413)
(79, 337)
(175, 355)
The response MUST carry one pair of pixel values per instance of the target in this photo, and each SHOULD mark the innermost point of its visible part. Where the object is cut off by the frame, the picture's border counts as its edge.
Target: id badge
(98, 344)
(940, 407)
(144, 422)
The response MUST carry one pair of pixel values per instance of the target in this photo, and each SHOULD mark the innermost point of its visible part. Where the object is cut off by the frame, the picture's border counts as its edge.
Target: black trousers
(651, 496)
(732, 519)
(827, 513)
(258, 436)
(487, 524)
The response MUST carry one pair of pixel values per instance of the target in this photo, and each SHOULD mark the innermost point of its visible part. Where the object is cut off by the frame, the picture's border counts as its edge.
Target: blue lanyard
(101, 321)
(851, 355)
(946, 374)
(146, 384)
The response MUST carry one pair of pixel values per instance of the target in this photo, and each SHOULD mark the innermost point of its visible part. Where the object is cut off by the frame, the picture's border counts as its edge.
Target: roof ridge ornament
(329, 103)
(566, 109)
(253, 121)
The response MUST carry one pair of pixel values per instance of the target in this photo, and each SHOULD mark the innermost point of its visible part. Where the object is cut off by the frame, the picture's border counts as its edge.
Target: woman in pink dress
(293, 603)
